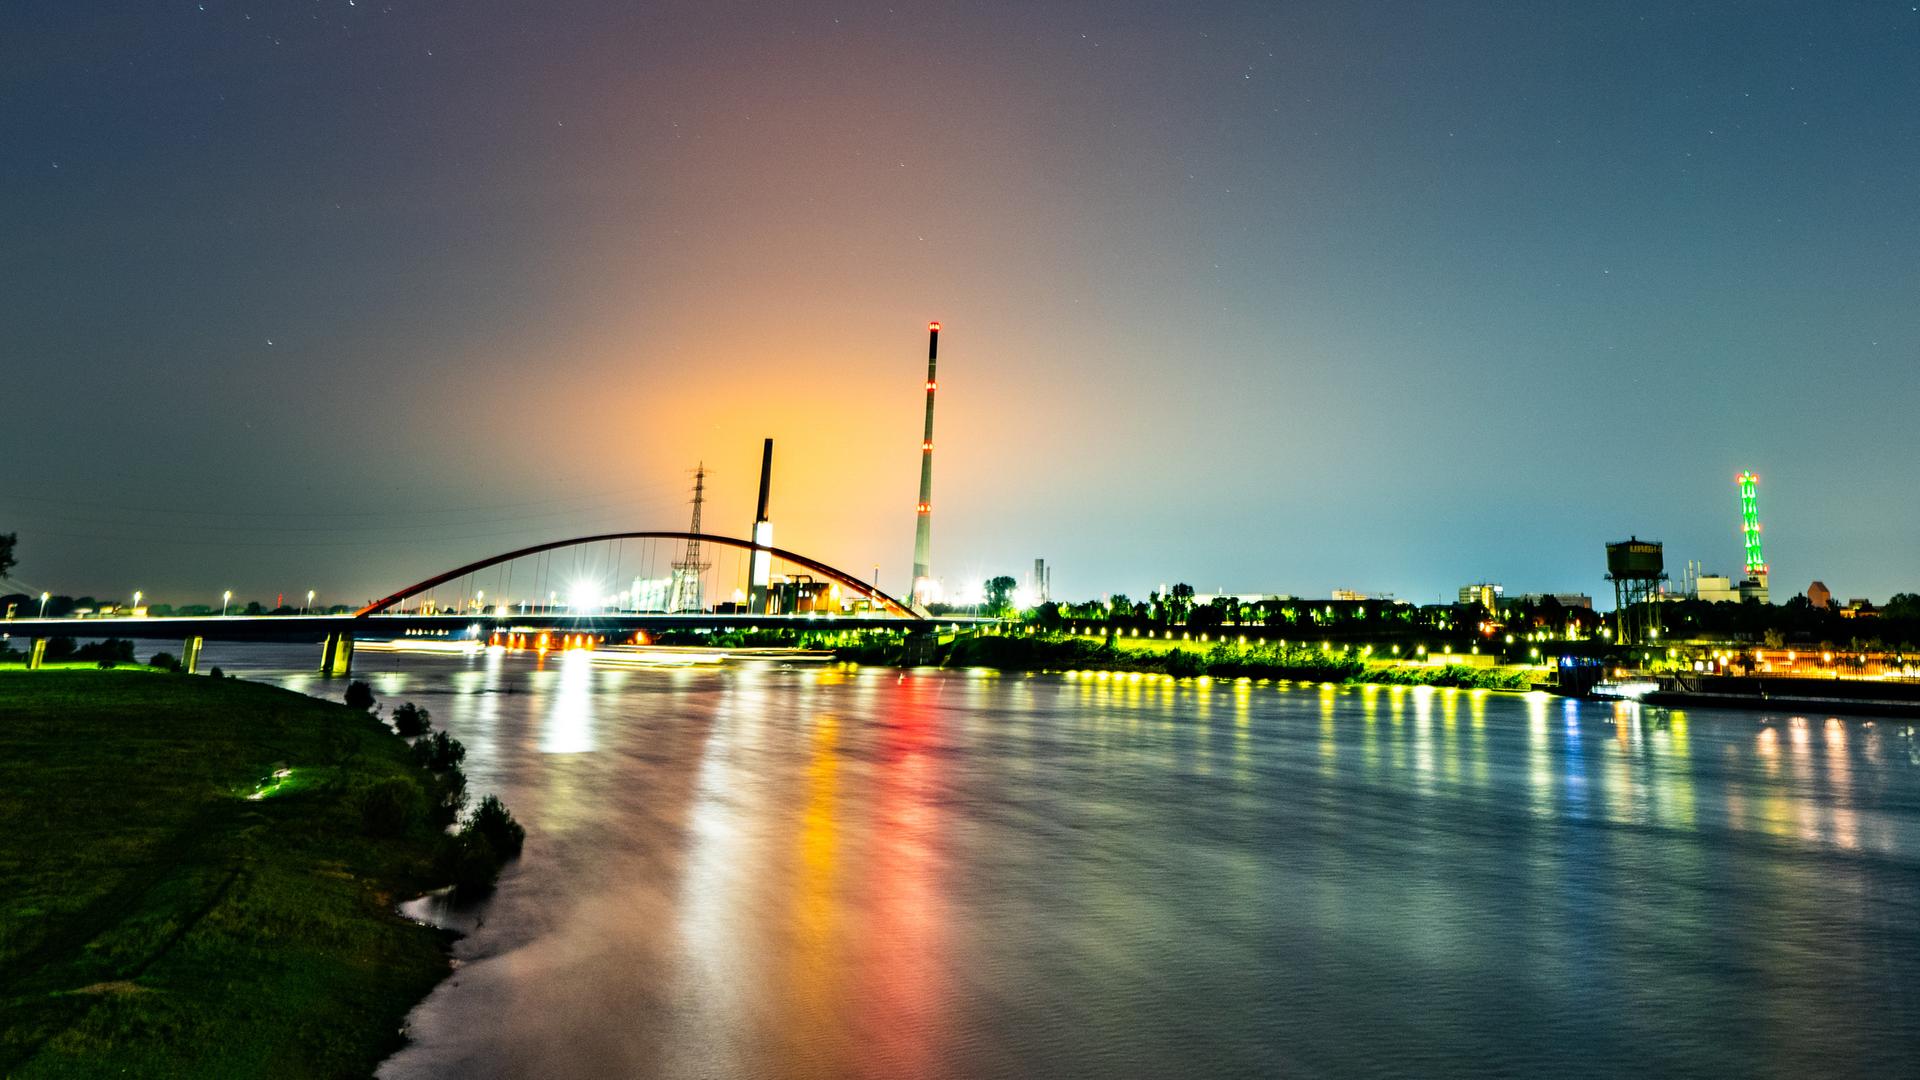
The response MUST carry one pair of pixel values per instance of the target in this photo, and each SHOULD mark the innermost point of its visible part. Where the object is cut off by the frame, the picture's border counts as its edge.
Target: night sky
(1279, 297)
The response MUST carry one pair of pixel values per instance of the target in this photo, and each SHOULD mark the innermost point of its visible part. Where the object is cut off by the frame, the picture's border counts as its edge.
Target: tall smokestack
(766, 481)
(760, 567)
(923, 525)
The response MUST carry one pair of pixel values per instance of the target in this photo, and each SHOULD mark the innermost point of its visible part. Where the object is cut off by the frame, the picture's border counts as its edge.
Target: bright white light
(583, 595)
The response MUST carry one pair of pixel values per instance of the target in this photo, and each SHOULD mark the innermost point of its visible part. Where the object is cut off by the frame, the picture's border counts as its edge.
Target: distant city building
(1486, 594)
(1820, 596)
(1564, 599)
(1715, 588)
(801, 595)
(1858, 607)
(649, 594)
(1201, 600)
(1348, 594)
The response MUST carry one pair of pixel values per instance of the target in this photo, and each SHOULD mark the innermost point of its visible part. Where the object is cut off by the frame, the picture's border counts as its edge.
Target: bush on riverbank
(1467, 678)
(439, 753)
(467, 861)
(109, 653)
(411, 720)
(389, 807)
(496, 823)
(473, 857)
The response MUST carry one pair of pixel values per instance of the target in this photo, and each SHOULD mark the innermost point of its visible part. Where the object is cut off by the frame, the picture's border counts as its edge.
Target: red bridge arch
(892, 605)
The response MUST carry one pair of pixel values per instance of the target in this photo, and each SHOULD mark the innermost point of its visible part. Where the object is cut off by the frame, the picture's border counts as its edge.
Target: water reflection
(812, 976)
(760, 871)
(568, 726)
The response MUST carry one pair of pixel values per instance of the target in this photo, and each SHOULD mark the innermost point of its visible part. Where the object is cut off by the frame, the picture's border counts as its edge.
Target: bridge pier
(918, 648)
(190, 654)
(336, 655)
(37, 654)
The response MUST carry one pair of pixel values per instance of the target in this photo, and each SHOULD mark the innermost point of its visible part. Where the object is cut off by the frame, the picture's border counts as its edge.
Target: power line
(119, 505)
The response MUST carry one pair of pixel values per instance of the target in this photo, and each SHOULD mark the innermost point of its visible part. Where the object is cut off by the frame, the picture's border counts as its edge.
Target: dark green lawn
(154, 921)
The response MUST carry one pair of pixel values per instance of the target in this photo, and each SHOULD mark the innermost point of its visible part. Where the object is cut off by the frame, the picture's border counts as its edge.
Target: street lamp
(309, 601)
(225, 599)
(43, 604)
(137, 594)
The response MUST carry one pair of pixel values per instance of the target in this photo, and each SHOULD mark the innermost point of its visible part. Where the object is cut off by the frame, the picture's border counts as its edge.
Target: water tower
(1636, 567)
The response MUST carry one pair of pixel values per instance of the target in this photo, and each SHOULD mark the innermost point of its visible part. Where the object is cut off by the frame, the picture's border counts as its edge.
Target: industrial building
(650, 594)
(1486, 594)
(1715, 588)
(1040, 585)
(1721, 589)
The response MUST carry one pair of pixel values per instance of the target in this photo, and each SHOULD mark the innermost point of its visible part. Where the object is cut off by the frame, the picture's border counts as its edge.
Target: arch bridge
(886, 603)
(388, 617)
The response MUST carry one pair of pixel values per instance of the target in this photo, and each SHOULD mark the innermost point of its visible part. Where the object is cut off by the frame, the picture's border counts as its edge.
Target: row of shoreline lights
(226, 599)
(544, 641)
(1091, 631)
(1759, 655)
(1101, 675)
(1325, 646)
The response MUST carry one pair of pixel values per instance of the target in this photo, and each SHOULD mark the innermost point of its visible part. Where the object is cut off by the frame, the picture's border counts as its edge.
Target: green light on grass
(270, 784)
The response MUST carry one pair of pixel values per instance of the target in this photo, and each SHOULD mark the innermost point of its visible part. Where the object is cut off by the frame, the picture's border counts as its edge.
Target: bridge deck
(316, 627)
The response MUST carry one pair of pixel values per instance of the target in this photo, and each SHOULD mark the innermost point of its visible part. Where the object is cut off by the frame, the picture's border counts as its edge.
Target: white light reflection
(714, 899)
(1846, 825)
(569, 722)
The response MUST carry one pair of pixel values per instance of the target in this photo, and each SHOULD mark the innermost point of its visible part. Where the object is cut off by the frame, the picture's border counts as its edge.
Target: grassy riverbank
(1222, 661)
(156, 921)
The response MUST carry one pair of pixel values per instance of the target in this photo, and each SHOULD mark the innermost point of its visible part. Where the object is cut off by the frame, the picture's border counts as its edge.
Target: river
(770, 871)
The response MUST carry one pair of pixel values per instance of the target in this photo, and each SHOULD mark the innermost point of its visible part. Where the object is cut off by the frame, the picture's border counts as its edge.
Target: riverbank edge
(1826, 706)
(1222, 663)
(351, 1029)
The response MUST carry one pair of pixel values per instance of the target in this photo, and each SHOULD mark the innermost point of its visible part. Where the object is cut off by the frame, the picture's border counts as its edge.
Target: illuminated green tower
(1750, 525)
(1755, 585)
